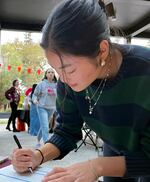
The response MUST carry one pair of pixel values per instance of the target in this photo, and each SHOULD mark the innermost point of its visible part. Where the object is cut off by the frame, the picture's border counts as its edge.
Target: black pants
(13, 115)
(109, 152)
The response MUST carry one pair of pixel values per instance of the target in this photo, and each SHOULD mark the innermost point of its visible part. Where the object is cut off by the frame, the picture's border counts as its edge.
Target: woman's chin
(77, 89)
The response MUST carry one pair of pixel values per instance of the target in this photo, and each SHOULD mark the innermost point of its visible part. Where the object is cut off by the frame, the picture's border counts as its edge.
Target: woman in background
(34, 119)
(13, 95)
(44, 97)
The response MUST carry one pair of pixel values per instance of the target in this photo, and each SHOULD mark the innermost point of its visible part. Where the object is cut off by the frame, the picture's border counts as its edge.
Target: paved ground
(4, 115)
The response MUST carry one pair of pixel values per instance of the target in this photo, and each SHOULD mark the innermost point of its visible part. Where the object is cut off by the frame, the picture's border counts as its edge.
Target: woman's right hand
(22, 159)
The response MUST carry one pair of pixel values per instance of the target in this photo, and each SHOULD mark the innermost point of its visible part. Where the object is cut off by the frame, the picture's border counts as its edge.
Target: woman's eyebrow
(65, 66)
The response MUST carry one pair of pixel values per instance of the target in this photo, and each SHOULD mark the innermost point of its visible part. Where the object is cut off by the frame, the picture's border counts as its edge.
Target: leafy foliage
(24, 56)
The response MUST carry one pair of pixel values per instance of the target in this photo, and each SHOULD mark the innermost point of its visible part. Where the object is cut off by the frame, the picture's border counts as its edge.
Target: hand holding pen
(19, 146)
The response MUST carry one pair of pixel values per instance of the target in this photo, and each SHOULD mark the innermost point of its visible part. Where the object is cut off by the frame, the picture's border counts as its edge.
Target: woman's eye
(70, 72)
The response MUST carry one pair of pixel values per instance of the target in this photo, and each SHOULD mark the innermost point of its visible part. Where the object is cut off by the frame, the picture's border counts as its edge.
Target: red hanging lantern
(39, 71)
(19, 68)
(9, 67)
(29, 70)
(0, 65)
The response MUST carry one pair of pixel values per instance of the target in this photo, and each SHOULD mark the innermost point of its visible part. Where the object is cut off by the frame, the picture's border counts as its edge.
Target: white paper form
(8, 174)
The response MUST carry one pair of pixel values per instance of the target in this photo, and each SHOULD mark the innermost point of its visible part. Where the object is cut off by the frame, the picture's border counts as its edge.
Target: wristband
(41, 155)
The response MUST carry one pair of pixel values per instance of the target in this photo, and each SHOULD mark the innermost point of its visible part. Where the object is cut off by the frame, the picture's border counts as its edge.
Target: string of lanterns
(19, 69)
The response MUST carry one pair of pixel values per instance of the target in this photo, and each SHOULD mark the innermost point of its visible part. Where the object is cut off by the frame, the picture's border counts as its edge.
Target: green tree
(27, 38)
(24, 56)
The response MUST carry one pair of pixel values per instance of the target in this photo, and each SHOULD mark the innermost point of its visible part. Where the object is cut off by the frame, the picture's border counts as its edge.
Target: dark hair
(14, 82)
(76, 27)
(33, 88)
(54, 79)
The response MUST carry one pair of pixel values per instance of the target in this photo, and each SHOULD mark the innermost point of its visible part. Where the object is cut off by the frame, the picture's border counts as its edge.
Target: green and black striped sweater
(121, 117)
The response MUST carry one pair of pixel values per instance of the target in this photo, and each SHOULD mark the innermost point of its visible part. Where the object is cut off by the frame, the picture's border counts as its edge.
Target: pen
(19, 146)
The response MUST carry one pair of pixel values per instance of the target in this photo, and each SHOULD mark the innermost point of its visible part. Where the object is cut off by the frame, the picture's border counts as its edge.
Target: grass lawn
(3, 121)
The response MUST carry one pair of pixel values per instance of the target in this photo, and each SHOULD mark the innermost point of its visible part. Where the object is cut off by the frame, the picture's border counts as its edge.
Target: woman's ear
(103, 53)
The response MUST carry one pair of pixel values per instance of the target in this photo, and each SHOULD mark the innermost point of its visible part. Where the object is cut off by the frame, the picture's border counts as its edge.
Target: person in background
(26, 107)
(34, 119)
(103, 84)
(44, 97)
(13, 95)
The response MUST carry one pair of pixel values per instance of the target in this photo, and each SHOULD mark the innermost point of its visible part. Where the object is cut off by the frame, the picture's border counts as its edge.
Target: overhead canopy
(132, 16)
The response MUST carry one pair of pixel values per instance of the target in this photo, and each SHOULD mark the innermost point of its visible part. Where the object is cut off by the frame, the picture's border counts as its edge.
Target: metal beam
(145, 35)
(139, 27)
(21, 26)
(136, 2)
(142, 29)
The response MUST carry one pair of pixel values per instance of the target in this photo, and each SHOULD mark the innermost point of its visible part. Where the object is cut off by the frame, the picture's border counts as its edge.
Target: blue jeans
(44, 116)
(34, 120)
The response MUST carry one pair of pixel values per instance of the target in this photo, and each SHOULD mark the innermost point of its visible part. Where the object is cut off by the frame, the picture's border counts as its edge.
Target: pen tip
(30, 169)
